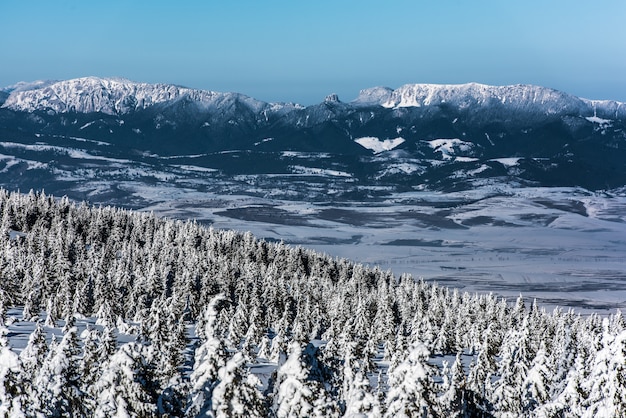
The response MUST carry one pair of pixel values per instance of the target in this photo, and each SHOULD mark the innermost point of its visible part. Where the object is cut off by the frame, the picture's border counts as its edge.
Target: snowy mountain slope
(474, 96)
(105, 312)
(116, 96)
(522, 97)
(121, 96)
(555, 139)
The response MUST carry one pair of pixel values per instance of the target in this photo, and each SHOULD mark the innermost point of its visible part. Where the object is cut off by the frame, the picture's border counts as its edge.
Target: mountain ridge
(111, 96)
(415, 137)
(120, 96)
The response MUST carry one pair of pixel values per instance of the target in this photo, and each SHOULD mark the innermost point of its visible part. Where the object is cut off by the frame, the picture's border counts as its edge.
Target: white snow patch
(196, 168)
(378, 146)
(86, 125)
(448, 147)
(507, 162)
(465, 159)
(479, 170)
(11, 161)
(102, 143)
(262, 141)
(70, 152)
(406, 168)
(318, 171)
(599, 121)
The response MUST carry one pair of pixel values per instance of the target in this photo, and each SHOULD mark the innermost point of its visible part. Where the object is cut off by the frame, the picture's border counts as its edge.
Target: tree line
(336, 338)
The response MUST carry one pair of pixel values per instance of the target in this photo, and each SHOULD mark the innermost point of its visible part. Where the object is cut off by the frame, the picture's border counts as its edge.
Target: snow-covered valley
(565, 247)
(562, 245)
(391, 227)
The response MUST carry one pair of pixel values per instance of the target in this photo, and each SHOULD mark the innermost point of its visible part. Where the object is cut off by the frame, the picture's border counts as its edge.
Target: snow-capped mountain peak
(118, 96)
(480, 95)
(27, 85)
(112, 96)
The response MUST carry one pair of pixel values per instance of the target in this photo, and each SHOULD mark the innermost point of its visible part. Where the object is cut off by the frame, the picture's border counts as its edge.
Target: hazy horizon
(295, 52)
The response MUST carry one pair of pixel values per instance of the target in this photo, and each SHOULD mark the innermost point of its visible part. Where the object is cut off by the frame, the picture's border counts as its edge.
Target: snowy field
(566, 247)
(563, 246)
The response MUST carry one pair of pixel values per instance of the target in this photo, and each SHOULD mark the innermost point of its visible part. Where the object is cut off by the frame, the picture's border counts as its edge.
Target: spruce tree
(411, 392)
(606, 385)
(537, 383)
(453, 402)
(127, 386)
(91, 363)
(508, 390)
(210, 357)
(58, 382)
(237, 394)
(358, 399)
(34, 354)
(13, 398)
(296, 394)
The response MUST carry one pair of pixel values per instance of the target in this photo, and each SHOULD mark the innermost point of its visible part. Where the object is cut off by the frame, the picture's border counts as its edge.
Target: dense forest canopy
(333, 338)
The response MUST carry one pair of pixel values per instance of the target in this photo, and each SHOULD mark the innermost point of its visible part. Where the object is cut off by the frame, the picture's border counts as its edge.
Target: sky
(301, 51)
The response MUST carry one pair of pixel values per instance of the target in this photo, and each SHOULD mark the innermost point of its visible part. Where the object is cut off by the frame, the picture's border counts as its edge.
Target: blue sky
(301, 51)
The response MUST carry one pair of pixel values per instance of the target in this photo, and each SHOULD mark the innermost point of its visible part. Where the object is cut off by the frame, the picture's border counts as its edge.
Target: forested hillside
(275, 330)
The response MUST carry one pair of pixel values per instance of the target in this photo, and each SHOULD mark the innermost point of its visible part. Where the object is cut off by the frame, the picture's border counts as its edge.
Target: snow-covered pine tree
(58, 382)
(411, 392)
(91, 363)
(508, 390)
(238, 325)
(567, 402)
(104, 316)
(296, 394)
(264, 348)
(13, 398)
(453, 402)
(278, 346)
(173, 399)
(562, 351)
(479, 378)
(237, 394)
(606, 384)
(537, 383)
(248, 345)
(127, 387)
(34, 354)
(210, 357)
(50, 314)
(356, 394)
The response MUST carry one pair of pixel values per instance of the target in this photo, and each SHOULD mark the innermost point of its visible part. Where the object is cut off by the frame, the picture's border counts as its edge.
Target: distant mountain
(114, 96)
(417, 136)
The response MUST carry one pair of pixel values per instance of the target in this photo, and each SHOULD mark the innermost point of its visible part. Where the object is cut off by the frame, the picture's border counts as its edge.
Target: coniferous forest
(183, 320)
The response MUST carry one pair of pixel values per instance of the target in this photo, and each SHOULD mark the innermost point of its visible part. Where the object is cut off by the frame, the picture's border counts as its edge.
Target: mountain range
(416, 137)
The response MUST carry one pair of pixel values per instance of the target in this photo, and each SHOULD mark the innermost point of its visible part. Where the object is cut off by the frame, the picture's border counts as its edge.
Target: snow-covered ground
(563, 246)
